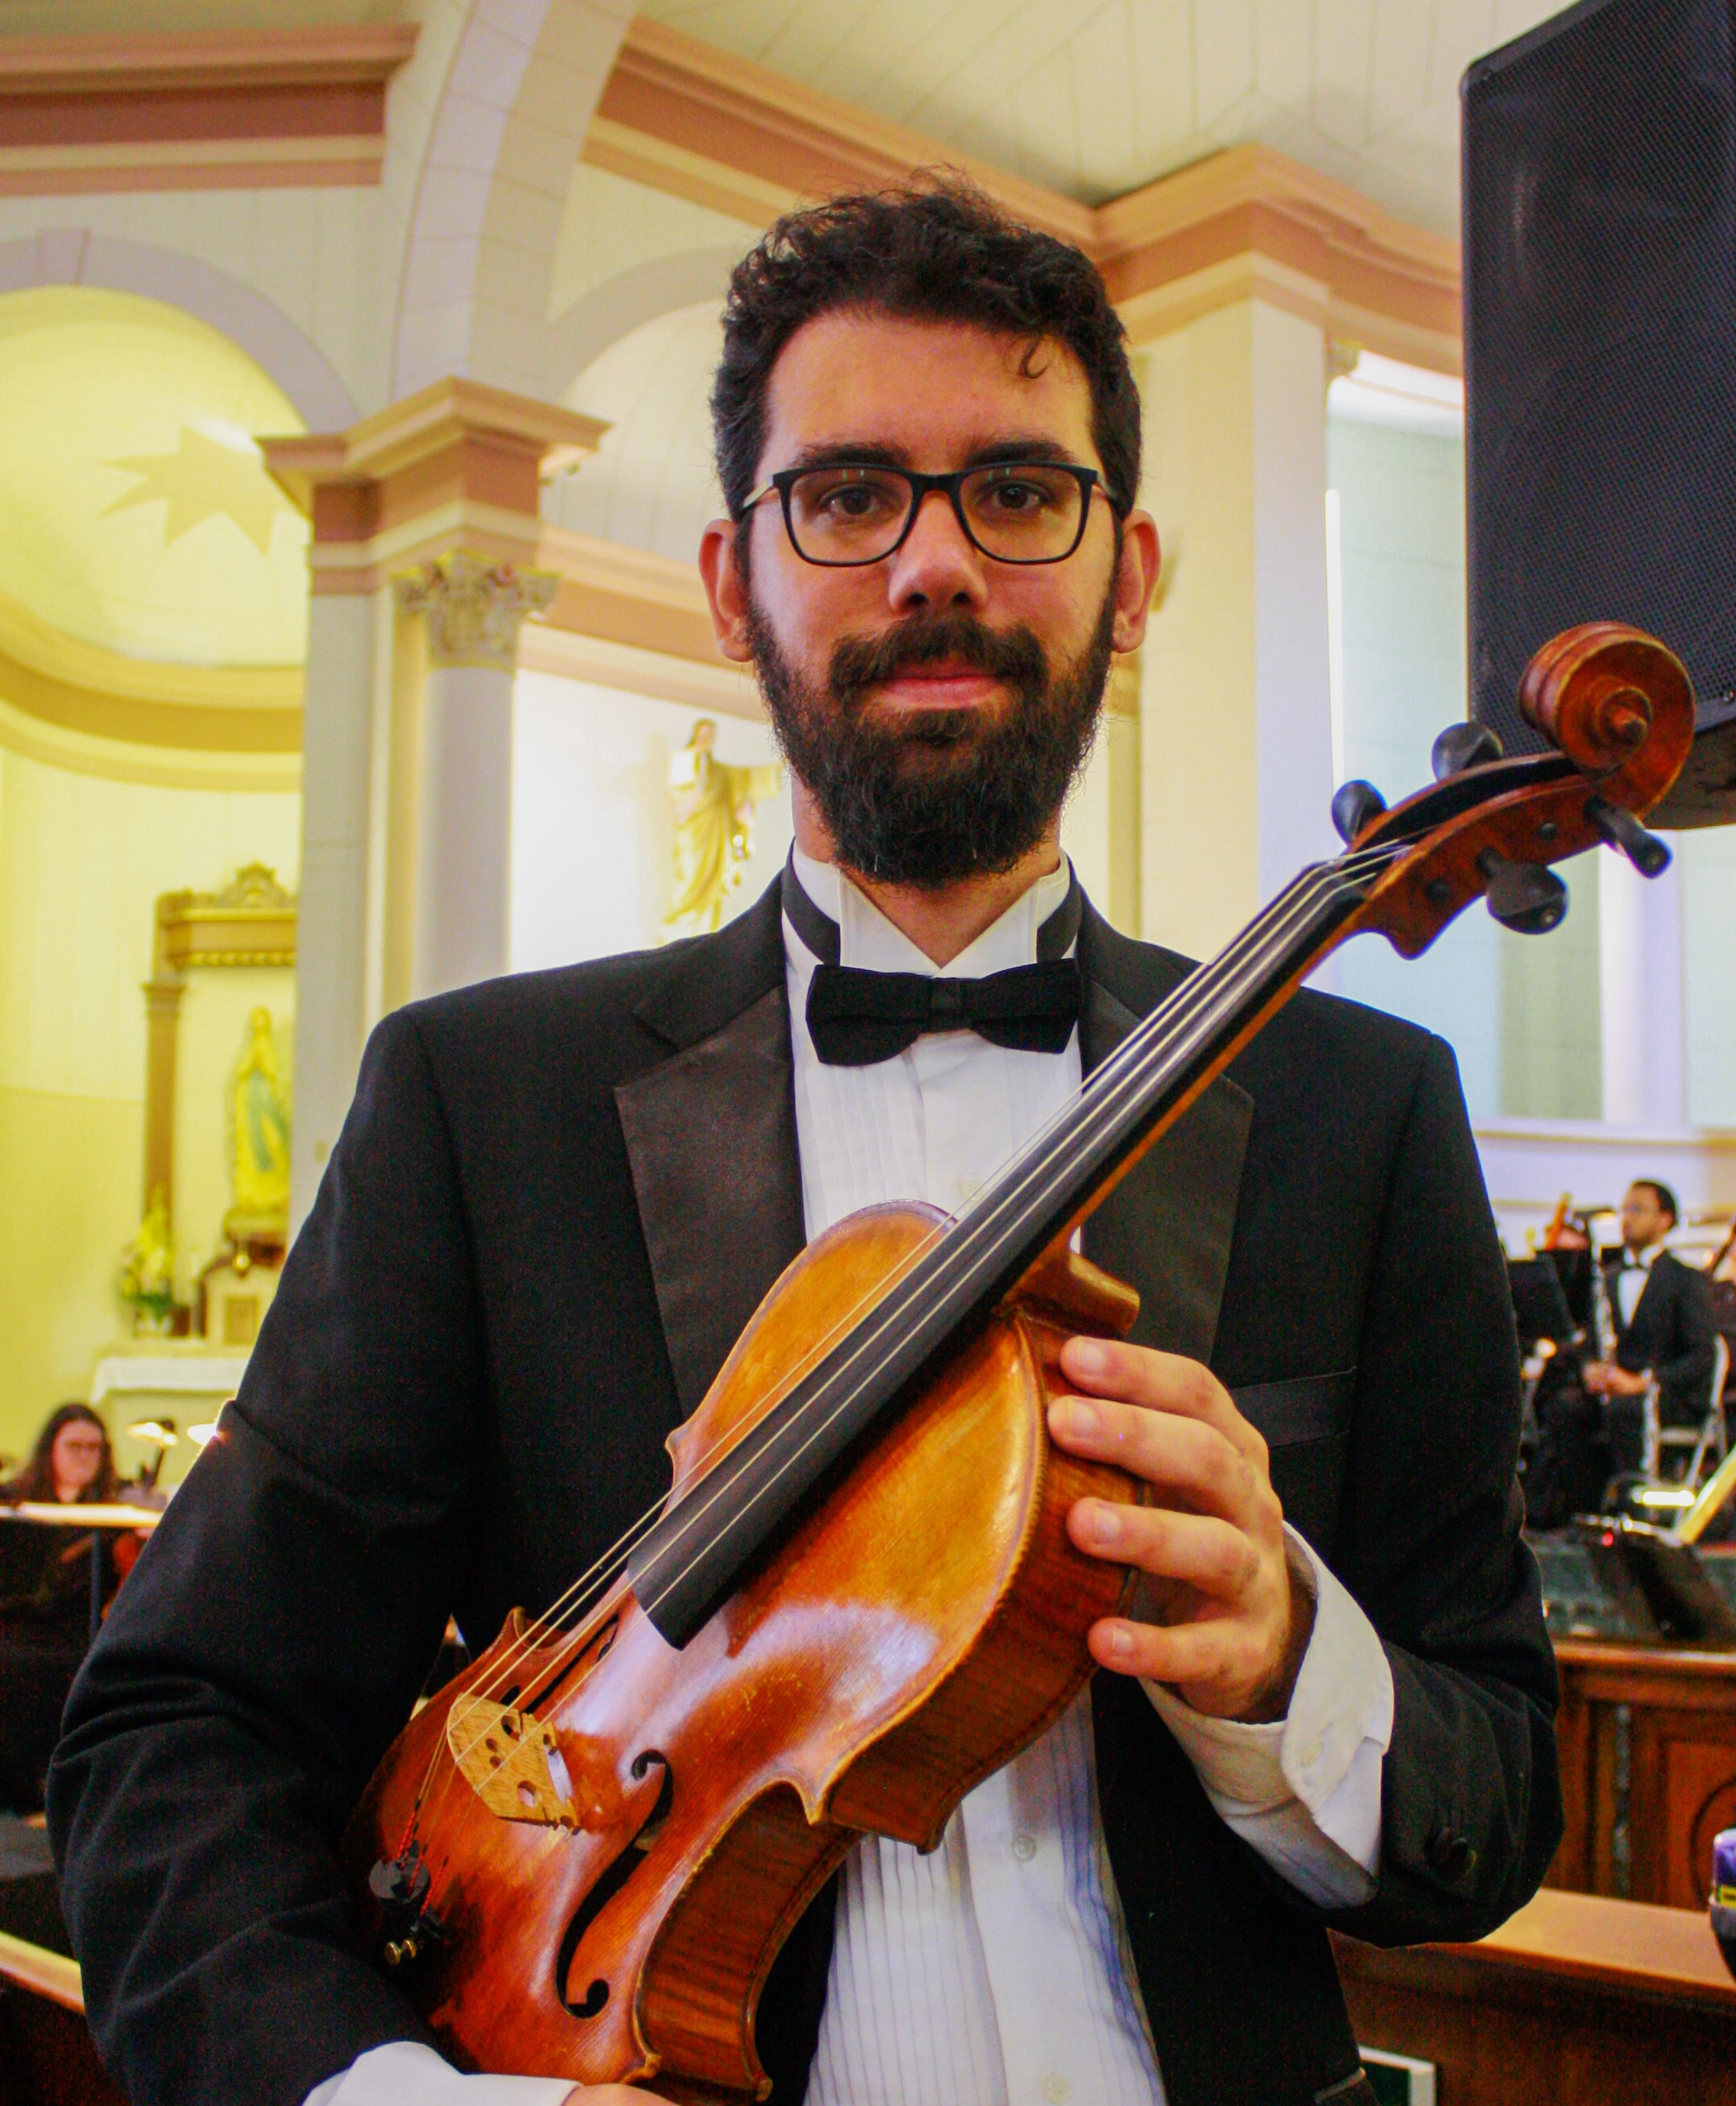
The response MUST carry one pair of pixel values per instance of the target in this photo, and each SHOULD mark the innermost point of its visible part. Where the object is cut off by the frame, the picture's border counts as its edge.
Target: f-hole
(610, 1884)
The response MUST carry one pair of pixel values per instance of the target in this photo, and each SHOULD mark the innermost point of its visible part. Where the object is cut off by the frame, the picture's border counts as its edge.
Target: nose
(937, 566)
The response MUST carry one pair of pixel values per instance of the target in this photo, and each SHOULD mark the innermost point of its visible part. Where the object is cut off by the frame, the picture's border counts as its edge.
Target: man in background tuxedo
(559, 1197)
(1663, 1319)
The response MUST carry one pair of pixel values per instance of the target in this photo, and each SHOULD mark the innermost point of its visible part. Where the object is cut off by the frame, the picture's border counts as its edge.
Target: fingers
(611, 2095)
(1140, 1376)
(1219, 1653)
(1188, 1459)
(1217, 1558)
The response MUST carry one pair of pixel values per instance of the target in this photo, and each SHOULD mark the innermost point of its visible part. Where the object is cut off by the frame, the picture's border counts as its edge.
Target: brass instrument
(1602, 1315)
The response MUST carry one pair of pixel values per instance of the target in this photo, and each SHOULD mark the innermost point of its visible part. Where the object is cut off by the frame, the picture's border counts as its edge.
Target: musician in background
(71, 1461)
(1663, 1324)
(45, 1596)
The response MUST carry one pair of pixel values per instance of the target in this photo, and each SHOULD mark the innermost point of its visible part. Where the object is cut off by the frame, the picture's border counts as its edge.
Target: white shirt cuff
(406, 2073)
(1304, 1791)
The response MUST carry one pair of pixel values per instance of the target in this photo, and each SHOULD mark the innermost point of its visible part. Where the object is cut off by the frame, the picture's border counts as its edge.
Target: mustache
(1013, 655)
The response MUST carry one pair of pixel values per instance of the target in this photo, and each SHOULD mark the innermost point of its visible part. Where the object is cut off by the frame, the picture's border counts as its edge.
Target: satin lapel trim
(1167, 1227)
(711, 1138)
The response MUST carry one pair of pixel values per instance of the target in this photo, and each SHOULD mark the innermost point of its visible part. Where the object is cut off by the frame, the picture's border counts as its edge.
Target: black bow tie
(855, 1018)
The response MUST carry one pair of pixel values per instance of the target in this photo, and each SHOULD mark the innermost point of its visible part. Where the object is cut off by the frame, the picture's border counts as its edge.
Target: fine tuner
(1527, 897)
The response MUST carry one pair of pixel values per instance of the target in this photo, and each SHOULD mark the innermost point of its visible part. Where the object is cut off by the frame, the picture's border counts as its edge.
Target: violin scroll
(1613, 699)
(1617, 708)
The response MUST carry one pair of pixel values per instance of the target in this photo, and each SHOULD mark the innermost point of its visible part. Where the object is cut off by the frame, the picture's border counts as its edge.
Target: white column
(1639, 972)
(1292, 652)
(473, 611)
(1236, 710)
(464, 832)
(333, 1012)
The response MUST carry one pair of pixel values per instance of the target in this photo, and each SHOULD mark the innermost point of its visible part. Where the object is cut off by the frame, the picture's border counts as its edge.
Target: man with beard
(558, 1198)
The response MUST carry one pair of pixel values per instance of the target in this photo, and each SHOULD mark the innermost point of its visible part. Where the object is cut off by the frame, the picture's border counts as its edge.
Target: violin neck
(694, 1554)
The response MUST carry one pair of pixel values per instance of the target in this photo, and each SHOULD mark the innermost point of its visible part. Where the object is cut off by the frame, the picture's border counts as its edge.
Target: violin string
(1149, 1057)
(1261, 932)
(1134, 1056)
(817, 1350)
(1155, 1044)
(494, 1679)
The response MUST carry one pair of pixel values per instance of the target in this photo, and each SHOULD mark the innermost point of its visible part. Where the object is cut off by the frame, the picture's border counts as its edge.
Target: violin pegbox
(1617, 707)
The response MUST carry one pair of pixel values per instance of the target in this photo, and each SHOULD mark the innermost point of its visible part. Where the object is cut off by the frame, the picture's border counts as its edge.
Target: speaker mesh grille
(1601, 341)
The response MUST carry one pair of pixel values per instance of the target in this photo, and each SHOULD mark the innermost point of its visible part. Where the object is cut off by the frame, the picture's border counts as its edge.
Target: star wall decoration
(204, 479)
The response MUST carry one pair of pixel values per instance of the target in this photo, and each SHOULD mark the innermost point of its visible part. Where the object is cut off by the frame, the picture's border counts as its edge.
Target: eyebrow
(1010, 447)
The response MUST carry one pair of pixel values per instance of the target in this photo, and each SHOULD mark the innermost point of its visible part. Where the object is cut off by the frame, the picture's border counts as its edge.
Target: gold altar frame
(250, 922)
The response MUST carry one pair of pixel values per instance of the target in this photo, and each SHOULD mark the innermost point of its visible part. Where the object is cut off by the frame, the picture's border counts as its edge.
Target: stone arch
(518, 98)
(73, 255)
(622, 303)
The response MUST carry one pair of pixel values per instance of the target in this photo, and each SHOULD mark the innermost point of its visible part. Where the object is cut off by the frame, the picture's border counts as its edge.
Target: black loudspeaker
(1599, 247)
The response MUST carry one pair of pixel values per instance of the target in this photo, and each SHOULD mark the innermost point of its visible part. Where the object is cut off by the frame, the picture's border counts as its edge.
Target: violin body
(923, 1622)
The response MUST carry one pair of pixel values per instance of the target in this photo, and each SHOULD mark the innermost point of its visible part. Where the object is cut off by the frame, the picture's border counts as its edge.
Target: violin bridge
(513, 1763)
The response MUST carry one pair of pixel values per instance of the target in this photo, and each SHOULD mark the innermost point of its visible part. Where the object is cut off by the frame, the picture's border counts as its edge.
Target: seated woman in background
(71, 1462)
(45, 1596)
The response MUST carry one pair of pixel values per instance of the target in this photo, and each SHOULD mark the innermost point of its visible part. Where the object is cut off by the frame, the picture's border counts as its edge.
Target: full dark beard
(946, 795)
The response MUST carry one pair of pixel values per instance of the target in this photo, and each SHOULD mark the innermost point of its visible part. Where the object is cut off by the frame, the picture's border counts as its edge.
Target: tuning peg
(1527, 897)
(1463, 746)
(1355, 803)
(1621, 830)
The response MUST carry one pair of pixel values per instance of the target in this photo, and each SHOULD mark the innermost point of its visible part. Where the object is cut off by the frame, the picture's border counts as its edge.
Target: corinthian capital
(473, 609)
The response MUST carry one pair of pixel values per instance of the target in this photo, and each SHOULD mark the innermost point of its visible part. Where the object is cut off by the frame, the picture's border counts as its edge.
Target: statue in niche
(712, 805)
(259, 1140)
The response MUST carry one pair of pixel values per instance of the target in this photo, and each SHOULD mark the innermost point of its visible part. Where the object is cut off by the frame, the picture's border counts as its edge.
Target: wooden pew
(46, 2055)
(1579, 2000)
(1680, 1726)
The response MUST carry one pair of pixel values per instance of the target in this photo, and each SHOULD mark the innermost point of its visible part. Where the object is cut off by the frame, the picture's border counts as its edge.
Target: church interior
(355, 451)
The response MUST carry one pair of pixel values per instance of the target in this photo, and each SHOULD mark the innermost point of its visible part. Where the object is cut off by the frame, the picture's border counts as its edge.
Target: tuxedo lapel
(1166, 1228)
(711, 1138)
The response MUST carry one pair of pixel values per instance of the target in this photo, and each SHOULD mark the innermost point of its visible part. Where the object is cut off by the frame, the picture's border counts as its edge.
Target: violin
(859, 1598)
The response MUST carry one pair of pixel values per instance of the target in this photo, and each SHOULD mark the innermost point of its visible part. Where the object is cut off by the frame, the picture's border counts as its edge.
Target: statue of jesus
(712, 805)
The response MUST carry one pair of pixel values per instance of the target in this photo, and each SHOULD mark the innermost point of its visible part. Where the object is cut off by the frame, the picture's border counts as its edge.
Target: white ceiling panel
(1097, 98)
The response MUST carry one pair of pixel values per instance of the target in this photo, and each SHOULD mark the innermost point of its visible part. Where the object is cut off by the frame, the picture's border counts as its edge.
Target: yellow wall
(83, 860)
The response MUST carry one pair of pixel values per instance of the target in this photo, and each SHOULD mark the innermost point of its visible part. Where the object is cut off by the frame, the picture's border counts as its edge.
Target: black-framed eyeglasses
(850, 512)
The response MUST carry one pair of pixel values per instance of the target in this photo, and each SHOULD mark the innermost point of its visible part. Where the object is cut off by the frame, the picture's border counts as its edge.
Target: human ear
(1135, 581)
(726, 590)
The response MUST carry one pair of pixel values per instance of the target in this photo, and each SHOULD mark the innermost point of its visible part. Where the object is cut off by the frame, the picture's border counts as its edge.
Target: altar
(186, 1381)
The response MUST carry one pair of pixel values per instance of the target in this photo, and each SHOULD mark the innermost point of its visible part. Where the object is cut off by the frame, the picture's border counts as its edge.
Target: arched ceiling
(1098, 97)
(136, 515)
(609, 226)
(651, 483)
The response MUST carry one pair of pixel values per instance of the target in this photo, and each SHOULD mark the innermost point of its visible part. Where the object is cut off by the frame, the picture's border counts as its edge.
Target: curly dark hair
(936, 250)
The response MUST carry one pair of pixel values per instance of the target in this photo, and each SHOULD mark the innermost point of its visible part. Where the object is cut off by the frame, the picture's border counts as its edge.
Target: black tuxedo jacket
(1671, 1334)
(557, 1200)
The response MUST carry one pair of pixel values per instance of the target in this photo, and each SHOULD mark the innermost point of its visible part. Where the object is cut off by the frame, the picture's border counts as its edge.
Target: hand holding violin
(1237, 1622)
(612, 2095)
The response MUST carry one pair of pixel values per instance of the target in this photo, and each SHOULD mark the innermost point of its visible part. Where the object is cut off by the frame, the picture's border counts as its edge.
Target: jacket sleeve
(1428, 1541)
(1685, 1369)
(272, 1639)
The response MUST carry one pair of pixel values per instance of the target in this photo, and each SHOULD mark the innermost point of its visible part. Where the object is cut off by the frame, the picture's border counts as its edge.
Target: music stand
(93, 1520)
(1540, 1307)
